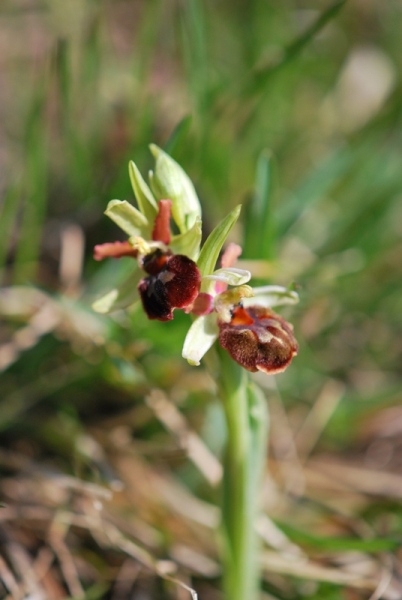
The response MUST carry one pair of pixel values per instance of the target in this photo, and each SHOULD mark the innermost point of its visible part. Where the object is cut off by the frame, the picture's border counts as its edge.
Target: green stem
(246, 419)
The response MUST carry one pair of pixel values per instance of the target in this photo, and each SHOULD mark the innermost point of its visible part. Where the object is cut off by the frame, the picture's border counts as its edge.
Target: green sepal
(213, 245)
(145, 198)
(189, 242)
(121, 296)
(200, 337)
(170, 181)
(128, 218)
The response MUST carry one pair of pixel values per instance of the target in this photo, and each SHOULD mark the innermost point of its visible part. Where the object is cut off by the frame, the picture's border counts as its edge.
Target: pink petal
(114, 250)
(161, 230)
(229, 258)
(230, 255)
(203, 304)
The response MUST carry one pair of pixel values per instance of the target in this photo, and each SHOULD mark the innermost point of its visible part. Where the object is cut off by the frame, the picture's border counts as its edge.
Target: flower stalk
(244, 459)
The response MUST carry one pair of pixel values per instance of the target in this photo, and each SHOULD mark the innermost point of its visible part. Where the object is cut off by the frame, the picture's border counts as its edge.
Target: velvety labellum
(258, 339)
(174, 282)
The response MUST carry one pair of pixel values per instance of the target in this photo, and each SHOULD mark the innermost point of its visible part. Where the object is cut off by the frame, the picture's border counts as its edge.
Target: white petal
(230, 275)
(200, 337)
(272, 295)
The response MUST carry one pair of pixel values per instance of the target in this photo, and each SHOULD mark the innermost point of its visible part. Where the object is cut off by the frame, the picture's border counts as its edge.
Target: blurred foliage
(291, 108)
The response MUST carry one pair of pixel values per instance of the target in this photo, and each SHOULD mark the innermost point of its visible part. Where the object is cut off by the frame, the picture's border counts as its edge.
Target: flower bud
(170, 181)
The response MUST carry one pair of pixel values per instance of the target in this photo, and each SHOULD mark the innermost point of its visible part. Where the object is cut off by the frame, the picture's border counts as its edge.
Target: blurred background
(110, 442)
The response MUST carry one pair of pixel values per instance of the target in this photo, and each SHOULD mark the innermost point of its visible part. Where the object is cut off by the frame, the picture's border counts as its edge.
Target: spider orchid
(173, 272)
(242, 320)
(172, 278)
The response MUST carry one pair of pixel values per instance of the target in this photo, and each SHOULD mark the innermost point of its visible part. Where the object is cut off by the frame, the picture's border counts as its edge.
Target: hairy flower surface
(173, 282)
(258, 339)
(244, 324)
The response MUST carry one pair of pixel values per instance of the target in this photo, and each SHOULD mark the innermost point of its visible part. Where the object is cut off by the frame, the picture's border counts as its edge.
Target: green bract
(214, 243)
(169, 181)
(189, 242)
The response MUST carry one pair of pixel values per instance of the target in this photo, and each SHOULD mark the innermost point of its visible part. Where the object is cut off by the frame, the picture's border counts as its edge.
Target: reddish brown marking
(258, 339)
(174, 282)
(161, 230)
(114, 250)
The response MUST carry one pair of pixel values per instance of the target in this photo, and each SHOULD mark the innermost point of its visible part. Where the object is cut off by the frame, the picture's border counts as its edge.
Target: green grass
(244, 96)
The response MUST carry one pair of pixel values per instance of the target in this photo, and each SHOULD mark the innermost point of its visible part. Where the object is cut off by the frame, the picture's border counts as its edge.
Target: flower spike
(173, 273)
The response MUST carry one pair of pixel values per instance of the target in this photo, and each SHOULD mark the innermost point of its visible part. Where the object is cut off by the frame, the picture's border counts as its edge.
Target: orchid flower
(165, 258)
(173, 272)
(241, 319)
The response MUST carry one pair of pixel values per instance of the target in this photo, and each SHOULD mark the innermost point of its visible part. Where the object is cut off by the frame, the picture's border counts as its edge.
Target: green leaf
(292, 51)
(189, 242)
(128, 218)
(257, 222)
(121, 296)
(9, 211)
(169, 181)
(339, 544)
(146, 201)
(213, 245)
(178, 133)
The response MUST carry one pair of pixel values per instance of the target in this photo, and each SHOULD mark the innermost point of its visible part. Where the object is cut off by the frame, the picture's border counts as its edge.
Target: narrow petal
(200, 337)
(230, 255)
(228, 260)
(114, 250)
(161, 230)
